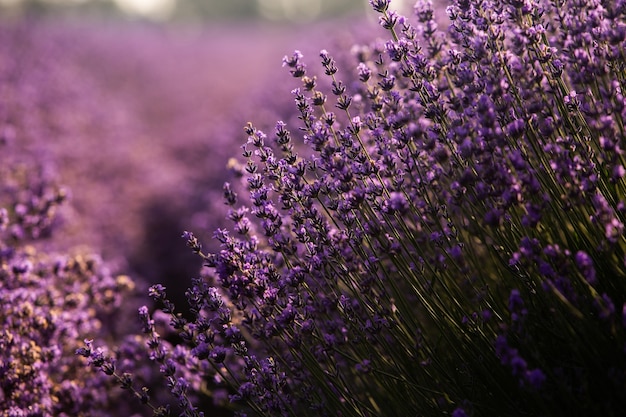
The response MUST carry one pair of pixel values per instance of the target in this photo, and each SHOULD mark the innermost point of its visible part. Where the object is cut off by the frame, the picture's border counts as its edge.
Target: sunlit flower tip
(328, 63)
(356, 123)
(380, 6)
(143, 311)
(364, 72)
(572, 101)
(452, 12)
(157, 292)
(230, 197)
(192, 241)
(391, 19)
(86, 350)
(292, 60)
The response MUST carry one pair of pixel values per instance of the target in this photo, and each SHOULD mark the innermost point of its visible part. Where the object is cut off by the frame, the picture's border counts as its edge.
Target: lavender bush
(450, 242)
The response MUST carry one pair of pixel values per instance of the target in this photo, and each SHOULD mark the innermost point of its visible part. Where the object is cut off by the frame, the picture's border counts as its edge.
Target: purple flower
(535, 378)
(380, 6)
(585, 264)
(459, 412)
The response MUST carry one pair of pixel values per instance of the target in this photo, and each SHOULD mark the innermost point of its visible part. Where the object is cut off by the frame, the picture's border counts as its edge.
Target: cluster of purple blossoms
(48, 304)
(449, 238)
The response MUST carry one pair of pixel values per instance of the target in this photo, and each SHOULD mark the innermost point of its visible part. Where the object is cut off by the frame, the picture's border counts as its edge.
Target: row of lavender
(451, 242)
(447, 240)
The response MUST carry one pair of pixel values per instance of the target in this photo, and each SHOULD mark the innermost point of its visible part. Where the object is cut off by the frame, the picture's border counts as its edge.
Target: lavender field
(136, 125)
(410, 212)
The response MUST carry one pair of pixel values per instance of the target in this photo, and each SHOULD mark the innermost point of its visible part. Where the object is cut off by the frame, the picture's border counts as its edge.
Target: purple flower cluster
(176, 365)
(48, 303)
(447, 240)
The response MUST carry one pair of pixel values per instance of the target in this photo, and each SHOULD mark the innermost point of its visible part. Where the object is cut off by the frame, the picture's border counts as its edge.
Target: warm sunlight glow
(153, 9)
(62, 2)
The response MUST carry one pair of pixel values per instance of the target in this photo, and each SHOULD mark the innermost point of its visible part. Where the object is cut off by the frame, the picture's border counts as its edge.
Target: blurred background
(191, 10)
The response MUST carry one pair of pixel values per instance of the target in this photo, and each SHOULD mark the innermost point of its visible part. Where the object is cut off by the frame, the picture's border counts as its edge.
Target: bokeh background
(136, 106)
(189, 10)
